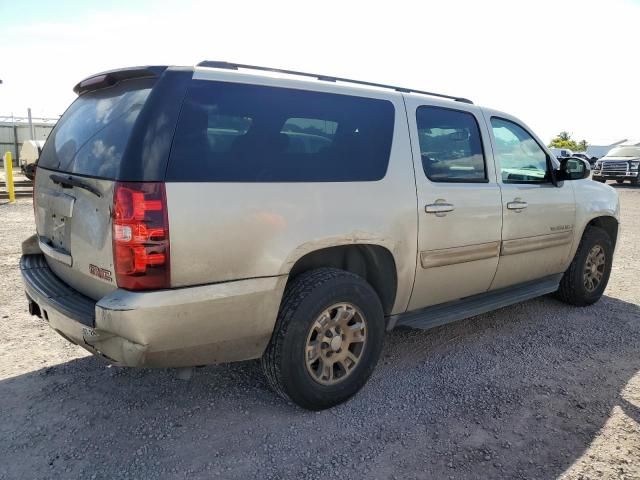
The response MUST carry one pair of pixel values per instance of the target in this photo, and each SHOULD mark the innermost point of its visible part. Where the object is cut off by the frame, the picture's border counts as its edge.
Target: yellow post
(8, 174)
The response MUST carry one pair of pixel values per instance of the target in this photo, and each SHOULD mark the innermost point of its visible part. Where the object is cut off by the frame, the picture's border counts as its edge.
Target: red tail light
(141, 236)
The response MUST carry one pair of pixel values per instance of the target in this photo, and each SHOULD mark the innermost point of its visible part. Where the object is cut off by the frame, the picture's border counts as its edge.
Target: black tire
(635, 181)
(601, 180)
(305, 298)
(572, 286)
(618, 180)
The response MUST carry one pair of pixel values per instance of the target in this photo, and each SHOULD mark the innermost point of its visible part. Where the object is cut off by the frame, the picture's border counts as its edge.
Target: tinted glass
(450, 145)
(308, 135)
(520, 157)
(246, 133)
(91, 136)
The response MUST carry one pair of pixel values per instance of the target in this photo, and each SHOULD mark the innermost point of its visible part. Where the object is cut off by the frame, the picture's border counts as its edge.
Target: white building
(14, 131)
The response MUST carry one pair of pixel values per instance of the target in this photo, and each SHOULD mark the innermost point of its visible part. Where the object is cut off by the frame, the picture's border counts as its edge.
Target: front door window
(521, 159)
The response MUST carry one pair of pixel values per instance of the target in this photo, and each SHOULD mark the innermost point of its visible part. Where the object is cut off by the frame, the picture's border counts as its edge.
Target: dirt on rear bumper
(201, 325)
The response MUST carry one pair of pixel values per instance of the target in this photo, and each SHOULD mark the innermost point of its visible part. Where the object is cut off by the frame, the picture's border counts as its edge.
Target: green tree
(582, 145)
(564, 140)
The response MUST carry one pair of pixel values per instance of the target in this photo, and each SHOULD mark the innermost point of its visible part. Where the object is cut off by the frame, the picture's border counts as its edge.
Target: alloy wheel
(335, 343)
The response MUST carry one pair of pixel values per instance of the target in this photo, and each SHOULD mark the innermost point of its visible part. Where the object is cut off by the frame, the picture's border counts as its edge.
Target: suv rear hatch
(118, 130)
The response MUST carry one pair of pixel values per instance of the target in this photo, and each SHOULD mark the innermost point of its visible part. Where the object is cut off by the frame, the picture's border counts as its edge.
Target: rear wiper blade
(68, 182)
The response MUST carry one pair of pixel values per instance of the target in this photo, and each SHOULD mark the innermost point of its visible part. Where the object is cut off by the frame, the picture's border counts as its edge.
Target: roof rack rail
(326, 78)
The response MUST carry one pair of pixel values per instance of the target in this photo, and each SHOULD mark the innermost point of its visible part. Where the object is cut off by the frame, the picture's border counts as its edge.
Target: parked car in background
(567, 153)
(620, 164)
(29, 154)
(195, 215)
(592, 160)
(561, 152)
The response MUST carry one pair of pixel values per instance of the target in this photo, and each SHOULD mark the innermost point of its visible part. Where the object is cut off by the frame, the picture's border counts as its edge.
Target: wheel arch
(374, 263)
(607, 223)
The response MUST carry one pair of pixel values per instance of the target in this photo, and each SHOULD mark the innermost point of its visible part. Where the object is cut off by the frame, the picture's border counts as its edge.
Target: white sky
(558, 65)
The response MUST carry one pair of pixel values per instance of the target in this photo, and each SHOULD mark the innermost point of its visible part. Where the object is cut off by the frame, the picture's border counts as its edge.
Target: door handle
(517, 205)
(55, 253)
(439, 208)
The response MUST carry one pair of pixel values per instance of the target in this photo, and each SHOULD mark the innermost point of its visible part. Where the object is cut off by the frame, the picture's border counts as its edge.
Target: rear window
(91, 136)
(231, 132)
(450, 145)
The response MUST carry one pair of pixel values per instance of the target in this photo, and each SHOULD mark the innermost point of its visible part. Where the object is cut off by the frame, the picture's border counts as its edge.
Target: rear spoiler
(111, 77)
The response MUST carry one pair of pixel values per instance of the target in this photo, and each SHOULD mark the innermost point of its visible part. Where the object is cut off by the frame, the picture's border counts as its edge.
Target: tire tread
(294, 294)
(569, 291)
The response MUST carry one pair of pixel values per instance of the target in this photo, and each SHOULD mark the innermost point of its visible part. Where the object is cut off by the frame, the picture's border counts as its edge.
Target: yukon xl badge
(560, 228)
(100, 273)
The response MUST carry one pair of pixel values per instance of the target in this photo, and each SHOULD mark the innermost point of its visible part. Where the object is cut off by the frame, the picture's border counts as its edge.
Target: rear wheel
(327, 339)
(619, 180)
(587, 277)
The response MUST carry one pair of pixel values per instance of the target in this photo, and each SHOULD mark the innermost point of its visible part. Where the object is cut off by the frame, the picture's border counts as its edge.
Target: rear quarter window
(230, 132)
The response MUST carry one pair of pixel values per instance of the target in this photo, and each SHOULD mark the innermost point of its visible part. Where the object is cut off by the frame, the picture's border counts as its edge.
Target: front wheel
(587, 276)
(618, 180)
(327, 339)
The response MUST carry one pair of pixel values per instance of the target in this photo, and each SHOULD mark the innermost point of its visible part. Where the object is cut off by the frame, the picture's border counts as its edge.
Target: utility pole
(31, 131)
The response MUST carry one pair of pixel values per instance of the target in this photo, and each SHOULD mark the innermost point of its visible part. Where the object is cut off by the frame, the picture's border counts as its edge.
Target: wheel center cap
(336, 343)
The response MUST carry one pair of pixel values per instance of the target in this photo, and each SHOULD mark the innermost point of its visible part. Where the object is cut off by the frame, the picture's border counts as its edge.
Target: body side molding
(539, 242)
(471, 253)
(451, 256)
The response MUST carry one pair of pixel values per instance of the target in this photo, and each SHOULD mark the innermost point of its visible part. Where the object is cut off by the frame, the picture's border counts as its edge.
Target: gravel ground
(536, 390)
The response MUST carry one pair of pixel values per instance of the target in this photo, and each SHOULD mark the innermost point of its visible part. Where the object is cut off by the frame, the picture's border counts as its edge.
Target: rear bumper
(166, 328)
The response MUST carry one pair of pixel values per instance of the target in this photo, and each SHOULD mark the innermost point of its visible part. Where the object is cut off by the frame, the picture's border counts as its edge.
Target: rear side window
(231, 132)
(450, 145)
(309, 135)
(91, 136)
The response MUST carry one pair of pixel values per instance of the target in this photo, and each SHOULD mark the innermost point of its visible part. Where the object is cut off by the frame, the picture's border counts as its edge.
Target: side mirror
(573, 168)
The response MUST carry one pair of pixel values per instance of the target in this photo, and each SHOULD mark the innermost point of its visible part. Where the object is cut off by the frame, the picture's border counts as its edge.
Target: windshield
(624, 152)
(93, 133)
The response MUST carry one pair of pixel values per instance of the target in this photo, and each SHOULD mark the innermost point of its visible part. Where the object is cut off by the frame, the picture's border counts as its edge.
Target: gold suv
(195, 215)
